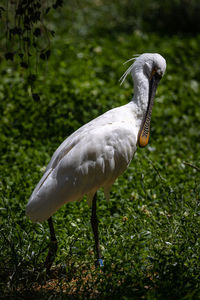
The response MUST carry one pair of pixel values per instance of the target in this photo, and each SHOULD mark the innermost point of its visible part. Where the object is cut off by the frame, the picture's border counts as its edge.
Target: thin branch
(156, 170)
(191, 165)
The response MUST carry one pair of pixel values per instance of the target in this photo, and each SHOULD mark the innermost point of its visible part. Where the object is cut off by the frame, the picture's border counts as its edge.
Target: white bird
(98, 152)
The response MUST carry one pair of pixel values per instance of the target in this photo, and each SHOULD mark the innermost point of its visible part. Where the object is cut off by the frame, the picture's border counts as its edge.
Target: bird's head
(148, 69)
(150, 64)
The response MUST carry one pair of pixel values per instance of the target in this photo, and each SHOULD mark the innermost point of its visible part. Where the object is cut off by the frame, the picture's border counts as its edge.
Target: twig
(156, 170)
(191, 165)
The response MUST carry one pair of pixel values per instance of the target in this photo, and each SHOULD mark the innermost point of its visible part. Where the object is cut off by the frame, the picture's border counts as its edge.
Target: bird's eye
(156, 73)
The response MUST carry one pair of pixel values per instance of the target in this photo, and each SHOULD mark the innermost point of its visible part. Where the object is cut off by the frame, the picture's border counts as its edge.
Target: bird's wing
(94, 156)
(114, 115)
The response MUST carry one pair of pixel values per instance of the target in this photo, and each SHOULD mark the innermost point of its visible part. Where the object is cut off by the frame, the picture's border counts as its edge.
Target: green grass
(149, 231)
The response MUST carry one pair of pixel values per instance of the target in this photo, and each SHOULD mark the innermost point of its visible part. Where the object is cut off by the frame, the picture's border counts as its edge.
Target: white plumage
(98, 152)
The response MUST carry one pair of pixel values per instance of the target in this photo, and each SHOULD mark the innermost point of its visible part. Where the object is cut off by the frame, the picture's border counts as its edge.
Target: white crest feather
(122, 79)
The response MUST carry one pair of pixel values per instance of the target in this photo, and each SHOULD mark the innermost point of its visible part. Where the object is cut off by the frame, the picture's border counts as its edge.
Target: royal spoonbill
(98, 152)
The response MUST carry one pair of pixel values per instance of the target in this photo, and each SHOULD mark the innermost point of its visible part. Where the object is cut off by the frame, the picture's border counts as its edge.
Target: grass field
(149, 231)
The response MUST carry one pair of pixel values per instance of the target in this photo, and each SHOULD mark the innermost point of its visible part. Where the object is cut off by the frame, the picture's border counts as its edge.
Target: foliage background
(149, 230)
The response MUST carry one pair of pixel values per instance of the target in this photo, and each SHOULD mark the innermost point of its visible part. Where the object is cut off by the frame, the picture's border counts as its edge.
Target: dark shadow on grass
(172, 283)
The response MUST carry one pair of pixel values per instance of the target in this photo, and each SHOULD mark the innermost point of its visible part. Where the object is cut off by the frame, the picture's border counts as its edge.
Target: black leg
(94, 223)
(53, 246)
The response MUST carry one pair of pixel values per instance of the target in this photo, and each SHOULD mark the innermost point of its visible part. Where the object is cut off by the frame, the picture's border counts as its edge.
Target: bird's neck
(141, 97)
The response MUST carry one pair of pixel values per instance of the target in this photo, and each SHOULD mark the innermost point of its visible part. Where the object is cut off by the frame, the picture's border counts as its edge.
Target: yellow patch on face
(153, 73)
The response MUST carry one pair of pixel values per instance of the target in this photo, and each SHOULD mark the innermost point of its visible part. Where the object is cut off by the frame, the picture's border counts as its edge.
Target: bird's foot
(51, 256)
(100, 262)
